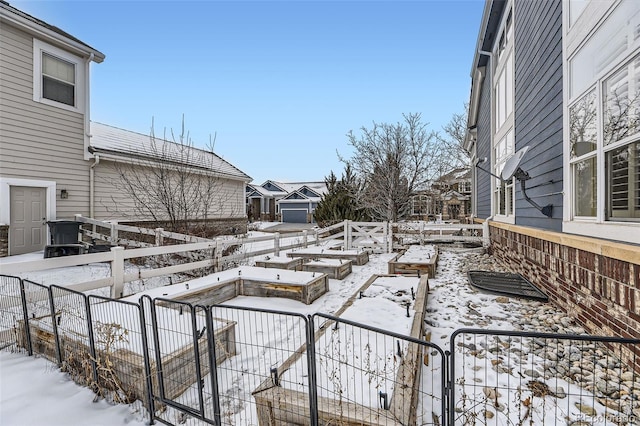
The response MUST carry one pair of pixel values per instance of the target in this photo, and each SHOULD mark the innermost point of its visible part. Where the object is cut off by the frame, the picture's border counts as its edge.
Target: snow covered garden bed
(416, 260)
(119, 350)
(358, 257)
(365, 375)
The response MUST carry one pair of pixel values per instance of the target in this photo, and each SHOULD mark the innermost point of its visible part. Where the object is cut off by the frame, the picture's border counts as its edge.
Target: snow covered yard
(498, 378)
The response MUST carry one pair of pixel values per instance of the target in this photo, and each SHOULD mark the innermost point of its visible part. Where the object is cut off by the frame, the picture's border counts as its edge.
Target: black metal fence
(227, 365)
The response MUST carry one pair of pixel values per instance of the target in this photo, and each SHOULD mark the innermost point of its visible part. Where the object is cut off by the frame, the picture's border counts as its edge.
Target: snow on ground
(34, 393)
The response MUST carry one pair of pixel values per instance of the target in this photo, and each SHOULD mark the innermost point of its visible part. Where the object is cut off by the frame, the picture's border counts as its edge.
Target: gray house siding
(38, 141)
(483, 149)
(538, 108)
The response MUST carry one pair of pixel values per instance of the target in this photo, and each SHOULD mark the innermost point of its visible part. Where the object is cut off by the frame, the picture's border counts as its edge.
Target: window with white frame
(503, 141)
(604, 120)
(58, 77)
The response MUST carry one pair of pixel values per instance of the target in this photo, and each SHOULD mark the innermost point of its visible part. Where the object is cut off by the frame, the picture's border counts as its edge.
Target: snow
(418, 254)
(34, 392)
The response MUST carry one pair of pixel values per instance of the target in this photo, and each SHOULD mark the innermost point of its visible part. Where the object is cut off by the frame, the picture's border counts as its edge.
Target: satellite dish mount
(512, 170)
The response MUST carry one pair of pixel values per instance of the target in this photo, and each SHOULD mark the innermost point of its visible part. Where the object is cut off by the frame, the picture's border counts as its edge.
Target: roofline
(36, 27)
(118, 155)
(481, 35)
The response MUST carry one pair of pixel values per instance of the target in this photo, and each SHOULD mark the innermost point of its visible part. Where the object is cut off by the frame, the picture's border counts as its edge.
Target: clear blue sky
(279, 82)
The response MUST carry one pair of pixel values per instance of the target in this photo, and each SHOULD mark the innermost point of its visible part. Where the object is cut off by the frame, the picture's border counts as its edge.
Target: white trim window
(503, 141)
(58, 77)
(603, 126)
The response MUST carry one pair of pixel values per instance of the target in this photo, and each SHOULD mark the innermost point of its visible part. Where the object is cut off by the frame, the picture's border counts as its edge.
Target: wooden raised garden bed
(279, 405)
(125, 361)
(280, 263)
(217, 288)
(357, 257)
(416, 260)
(335, 268)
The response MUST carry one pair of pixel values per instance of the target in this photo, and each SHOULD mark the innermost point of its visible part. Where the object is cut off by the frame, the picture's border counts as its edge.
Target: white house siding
(114, 204)
(38, 141)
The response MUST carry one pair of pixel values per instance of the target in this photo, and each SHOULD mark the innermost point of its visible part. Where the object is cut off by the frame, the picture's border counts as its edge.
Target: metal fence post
(213, 367)
(117, 272)
(92, 340)
(311, 365)
(54, 324)
(147, 360)
(25, 315)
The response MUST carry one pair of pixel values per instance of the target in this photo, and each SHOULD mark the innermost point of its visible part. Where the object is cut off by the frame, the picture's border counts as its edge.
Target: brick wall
(595, 281)
(4, 240)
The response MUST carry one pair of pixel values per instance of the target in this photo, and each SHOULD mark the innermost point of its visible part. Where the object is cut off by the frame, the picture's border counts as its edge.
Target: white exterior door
(27, 232)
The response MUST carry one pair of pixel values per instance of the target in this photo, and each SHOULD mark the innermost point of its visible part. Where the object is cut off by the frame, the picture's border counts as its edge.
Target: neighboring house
(44, 128)
(563, 78)
(124, 161)
(50, 166)
(292, 202)
(447, 198)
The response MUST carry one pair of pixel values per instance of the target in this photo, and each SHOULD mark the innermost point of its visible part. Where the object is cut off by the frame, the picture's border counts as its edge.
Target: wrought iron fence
(509, 377)
(227, 365)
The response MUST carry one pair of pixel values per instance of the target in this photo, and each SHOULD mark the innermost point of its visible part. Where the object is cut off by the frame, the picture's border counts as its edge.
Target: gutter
(45, 33)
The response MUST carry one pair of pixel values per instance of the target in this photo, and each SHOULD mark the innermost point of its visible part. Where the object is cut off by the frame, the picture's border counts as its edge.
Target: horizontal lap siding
(112, 203)
(483, 148)
(538, 107)
(38, 141)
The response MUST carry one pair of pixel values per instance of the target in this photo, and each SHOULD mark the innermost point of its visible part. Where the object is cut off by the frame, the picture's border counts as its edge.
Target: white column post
(117, 272)
(114, 233)
(276, 244)
(159, 237)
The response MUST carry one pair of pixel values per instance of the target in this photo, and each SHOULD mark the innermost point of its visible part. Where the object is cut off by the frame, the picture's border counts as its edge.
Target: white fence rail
(373, 236)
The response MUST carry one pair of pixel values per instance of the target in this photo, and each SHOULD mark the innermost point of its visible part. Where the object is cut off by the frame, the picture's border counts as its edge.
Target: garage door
(294, 216)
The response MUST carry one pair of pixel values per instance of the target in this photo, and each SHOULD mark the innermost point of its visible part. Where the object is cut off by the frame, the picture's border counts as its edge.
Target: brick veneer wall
(4, 240)
(595, 281)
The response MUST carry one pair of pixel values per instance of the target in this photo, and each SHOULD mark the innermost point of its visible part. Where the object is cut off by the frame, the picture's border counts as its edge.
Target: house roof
(131, 145)
(46, 31)
(318, 188)
(459, 174)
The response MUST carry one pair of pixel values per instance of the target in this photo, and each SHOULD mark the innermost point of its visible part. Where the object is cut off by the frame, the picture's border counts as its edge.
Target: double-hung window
(58, 77)
(503, 141)
(604, 124)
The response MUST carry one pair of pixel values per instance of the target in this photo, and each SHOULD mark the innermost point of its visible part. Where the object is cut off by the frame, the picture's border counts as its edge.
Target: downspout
(92, 191)
(87, 131)
(485, 224)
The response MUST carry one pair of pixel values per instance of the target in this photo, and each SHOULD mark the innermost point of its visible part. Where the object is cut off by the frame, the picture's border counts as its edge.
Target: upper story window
(58, 77)
(503, 108)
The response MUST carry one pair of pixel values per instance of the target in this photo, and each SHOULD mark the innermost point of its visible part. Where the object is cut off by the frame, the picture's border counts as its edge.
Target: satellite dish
(513, 164)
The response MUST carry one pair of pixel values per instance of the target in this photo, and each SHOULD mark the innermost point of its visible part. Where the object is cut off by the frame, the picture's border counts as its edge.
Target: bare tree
(452, 149)
(169, 180)
(393, 161)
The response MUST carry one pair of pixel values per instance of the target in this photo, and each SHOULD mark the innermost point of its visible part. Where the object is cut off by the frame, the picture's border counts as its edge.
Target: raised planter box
(126, 358)
(280, 405)
(357, 257)
(217, 288)
(279, 262)
(415, 261)
(335, 268)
